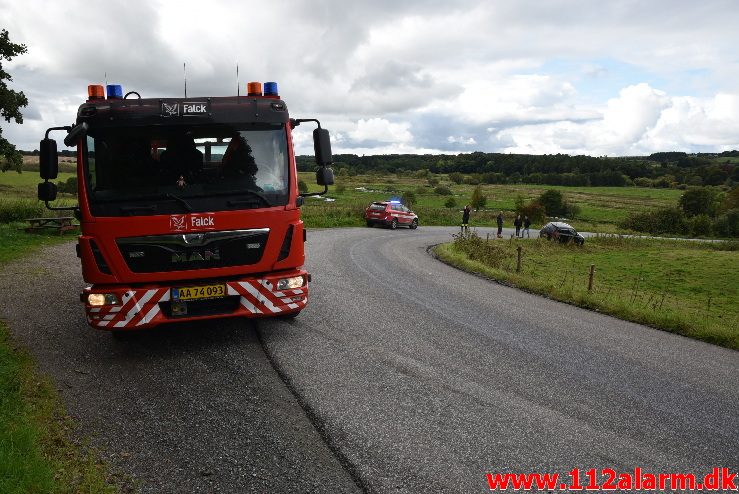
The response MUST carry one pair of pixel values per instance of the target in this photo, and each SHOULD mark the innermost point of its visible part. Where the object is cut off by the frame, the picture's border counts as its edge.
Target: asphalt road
(402, 375)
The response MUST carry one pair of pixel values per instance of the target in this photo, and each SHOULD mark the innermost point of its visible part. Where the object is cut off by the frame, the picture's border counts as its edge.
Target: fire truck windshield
(211, 168)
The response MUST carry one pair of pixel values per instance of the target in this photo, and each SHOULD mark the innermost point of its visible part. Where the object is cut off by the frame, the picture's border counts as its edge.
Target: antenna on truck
(184, 74)
(238, 83)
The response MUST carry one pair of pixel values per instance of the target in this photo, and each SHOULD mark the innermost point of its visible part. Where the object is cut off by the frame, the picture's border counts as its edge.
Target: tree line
(667, 169)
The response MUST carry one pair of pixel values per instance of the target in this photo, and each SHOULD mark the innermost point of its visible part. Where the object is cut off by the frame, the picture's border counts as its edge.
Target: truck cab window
(211, 165)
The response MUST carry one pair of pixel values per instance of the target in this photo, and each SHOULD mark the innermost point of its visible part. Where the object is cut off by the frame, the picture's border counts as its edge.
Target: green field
(601, 207)
(14, 185)
(687, 287)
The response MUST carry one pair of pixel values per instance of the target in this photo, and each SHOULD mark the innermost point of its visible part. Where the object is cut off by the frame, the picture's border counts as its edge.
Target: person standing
(466, 218)
(499, 221)
(518, 222)
(526, 225)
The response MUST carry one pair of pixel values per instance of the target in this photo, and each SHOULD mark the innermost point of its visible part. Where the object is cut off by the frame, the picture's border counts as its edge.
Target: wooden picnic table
(60, 223)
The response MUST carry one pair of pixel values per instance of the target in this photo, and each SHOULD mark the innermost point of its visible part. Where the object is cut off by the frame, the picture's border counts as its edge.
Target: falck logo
(172, 110)
(194, 107)
(177, 222)
(183, 222)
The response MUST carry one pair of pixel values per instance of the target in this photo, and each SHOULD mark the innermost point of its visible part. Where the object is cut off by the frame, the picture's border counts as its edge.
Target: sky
(602, 78)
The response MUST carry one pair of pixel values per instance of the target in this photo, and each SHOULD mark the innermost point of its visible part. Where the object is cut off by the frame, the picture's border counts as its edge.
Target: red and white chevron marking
(140, 307)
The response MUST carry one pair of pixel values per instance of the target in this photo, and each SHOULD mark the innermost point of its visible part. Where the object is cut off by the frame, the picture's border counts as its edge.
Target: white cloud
(409, 75)
(636, 110)
(381, 130)
(469, 141)
(640, 121)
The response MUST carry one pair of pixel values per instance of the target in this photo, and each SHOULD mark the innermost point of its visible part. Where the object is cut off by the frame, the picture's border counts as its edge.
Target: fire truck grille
(158, 253)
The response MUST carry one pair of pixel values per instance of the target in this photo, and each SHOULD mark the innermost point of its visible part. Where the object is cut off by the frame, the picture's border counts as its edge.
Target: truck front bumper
(151, 305)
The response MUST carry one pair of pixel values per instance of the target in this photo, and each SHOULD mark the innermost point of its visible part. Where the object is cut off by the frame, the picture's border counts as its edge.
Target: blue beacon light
(115, 91)
(270, 89)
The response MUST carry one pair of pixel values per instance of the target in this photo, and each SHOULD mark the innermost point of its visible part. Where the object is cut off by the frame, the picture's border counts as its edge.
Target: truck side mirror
(47, 191)
(48, 159)
(77, 131)
(322, 148)
(324, 176)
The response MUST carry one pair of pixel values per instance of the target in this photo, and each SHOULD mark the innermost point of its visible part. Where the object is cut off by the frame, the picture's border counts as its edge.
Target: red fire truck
(189, 207)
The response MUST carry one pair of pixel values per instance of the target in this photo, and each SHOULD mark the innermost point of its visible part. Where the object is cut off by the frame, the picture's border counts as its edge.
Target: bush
(699, 201)
(302, 187)
(667, 220)
(433, 181)
(478, 200)
(700, 226)
(664, 182)
(731, 200)
(340, 189)
(456, 177)
(555, 205)
(68, 187)
(443, 191)
(20, 209)
(643, 182)
(727, 225)
(450, 203)
(552, 201)
(534, 211)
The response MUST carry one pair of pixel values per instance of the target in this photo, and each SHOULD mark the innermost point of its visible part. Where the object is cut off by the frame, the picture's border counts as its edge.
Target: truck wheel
(370, 224)
(394, 224)
(414, 224)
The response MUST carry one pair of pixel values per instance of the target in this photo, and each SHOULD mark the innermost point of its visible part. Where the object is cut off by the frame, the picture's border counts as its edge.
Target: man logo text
(196, 256)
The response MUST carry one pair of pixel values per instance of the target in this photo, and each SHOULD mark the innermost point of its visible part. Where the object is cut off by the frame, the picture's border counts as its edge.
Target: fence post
(518, 261)
(590, 278)
(487, 238)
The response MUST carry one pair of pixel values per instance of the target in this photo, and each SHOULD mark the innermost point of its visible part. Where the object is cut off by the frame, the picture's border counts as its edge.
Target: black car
(562, 232)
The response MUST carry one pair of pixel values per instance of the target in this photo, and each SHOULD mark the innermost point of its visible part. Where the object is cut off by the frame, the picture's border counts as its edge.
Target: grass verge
(38, 453)
(689, 288)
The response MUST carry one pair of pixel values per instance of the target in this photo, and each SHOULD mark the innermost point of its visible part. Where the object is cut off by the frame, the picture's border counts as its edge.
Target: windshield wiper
(180, 200)
(254, 193)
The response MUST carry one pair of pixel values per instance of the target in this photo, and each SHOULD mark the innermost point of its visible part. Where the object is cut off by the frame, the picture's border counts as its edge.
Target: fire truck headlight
(98, 299)
(290, 283)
